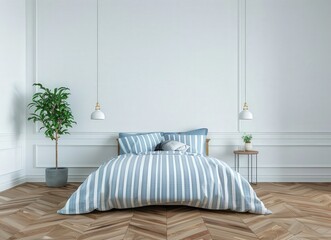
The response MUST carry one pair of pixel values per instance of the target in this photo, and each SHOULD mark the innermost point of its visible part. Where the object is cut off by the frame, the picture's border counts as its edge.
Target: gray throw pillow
(172, 145)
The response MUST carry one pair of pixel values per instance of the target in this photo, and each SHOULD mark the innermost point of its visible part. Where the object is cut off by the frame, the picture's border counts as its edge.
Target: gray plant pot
(56, 177)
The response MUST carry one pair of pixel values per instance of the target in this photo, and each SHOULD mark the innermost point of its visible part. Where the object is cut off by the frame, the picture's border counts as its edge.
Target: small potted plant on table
(53, 111)
(248, 141)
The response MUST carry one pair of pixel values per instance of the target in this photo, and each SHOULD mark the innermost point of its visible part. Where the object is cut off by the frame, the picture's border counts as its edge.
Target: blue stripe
(172, 175)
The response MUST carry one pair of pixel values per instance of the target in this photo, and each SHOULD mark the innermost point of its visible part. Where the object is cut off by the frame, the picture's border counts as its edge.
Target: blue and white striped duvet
(160, 178)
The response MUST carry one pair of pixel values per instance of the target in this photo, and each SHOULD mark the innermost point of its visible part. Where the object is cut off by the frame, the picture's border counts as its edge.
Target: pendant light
(98, 114)
(245, 114)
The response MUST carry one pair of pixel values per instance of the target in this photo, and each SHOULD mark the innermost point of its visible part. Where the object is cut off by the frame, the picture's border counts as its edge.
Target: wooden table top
(244, 152)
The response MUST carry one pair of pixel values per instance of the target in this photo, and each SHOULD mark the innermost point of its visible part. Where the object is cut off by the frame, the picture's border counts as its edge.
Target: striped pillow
(139, 143)
(197, 143)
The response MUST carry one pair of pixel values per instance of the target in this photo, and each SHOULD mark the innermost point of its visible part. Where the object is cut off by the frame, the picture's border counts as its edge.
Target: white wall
(176, 65)
(12, 97)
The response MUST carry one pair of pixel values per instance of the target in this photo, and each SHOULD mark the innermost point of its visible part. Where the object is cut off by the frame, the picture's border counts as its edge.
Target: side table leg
(248, 168)
(252, 168)
(235, 162)
(256, 169)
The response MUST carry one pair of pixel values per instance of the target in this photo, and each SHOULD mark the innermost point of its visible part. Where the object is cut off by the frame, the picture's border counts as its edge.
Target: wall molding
(12, 151)
(8, 141)
(91, 164)
(9, 147)
(217, 139)
(12, 179)
(12, 183)
(226, 155)
(7, 135)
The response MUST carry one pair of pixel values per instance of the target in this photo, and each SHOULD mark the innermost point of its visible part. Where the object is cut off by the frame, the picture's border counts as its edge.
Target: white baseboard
(281, 178)
(41, 178)
(11, 180)
(294, 178)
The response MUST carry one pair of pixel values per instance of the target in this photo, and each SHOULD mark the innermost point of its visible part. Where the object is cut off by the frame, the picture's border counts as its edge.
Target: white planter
(248, 146)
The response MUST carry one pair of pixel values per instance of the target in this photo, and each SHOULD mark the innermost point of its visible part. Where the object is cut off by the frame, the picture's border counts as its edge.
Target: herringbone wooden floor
(300, 211)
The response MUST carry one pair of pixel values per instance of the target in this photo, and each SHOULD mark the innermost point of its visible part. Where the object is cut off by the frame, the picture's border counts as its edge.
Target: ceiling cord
(97, 51)
(245, 54)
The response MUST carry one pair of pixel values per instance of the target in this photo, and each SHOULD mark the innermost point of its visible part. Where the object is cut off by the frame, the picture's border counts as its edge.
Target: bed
(140, 176)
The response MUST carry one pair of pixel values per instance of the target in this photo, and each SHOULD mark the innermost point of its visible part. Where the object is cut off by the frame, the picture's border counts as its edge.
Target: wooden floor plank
(300, 211)
(148, 223)
(186, 223)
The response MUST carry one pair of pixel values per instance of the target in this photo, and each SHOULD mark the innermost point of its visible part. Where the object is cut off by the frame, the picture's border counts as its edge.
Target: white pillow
(174, 146)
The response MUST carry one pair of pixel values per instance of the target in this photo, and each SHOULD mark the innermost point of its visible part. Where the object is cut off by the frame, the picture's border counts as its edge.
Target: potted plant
(248, 141)
(53, 111)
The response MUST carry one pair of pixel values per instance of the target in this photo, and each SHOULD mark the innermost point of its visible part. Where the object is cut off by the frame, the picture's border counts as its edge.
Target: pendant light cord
(97, 51)
(245, 54)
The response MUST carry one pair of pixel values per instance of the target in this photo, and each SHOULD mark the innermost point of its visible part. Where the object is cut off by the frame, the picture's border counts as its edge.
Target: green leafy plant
(247, 138)
(53, 111)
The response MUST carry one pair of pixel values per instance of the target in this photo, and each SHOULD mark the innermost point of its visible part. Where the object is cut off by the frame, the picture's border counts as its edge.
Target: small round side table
(249, 155)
